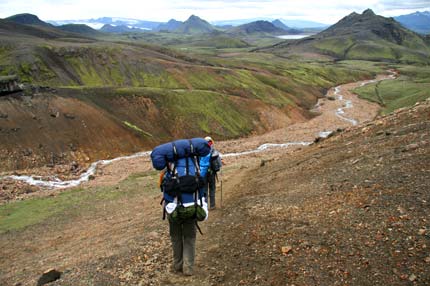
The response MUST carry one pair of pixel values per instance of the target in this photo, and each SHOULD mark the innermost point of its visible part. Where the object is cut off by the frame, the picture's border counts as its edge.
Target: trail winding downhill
(347, 107)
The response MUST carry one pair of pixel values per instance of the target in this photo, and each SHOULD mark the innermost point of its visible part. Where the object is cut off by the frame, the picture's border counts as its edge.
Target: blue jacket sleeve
(204, 164)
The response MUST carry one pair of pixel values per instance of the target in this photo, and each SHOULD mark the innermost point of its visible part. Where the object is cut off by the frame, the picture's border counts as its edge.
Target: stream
(54, 182)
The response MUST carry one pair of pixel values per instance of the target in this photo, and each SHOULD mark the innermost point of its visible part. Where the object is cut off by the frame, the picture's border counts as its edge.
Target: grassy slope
(22, 214)
(192, 86)
(412, 85)
(374, 50)
(163, 93)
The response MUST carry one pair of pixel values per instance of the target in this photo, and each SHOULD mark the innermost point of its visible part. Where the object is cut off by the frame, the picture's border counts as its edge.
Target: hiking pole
(221, 190)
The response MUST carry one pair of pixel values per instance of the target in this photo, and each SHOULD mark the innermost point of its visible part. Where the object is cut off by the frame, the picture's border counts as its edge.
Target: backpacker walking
(183, 196)
(215, 164)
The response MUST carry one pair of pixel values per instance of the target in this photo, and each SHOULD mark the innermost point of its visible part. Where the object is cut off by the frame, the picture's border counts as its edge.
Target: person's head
(210, 140)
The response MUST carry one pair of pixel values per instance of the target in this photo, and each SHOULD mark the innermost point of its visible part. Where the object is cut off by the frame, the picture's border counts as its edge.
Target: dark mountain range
(38, 29)
(418, 21)
(195, 25)
(170, 26)
(258, 27)
(363, 36)
(79, 29)
(31, 25)
(126, 22)
(278, 23)
(108, 28)
(28, 19)
(298, 24)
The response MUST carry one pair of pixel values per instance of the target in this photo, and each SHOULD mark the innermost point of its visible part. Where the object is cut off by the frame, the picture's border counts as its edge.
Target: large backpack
(215, 161)
(182, 179)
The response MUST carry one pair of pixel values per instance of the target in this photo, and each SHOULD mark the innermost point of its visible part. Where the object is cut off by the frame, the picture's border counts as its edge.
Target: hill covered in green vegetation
(363, 36)
(181, 85)
(146, 93)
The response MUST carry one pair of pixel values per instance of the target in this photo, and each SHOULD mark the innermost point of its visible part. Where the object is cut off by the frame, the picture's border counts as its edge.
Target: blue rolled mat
(162, 154)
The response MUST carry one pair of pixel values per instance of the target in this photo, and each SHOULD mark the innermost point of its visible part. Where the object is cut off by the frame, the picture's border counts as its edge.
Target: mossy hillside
(302, 81)
(5, 60)
(318, 74)
(208, 112)
(29, 67)
(17, 216)
(217, 42)
(334, 46)
(374, 50)
(195, 112)
(122, 65)
(412, 86)
(366, 66)
(160, 112)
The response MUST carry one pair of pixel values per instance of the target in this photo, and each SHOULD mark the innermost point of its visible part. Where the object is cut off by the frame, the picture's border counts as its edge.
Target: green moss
(19, 215)
(134, 127)
(87, 73)
(371, 51)
(335, 46)
(209, 112)
(158, 80)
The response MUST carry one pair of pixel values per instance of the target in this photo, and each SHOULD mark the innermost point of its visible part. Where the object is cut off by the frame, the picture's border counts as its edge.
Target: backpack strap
(175, 158)
(198, 227)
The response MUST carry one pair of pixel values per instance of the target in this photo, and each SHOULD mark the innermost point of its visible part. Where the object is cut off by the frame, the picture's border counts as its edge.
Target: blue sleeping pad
(162, 154)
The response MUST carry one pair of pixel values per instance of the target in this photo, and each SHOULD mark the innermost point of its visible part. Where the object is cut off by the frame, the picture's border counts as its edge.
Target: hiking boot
(173, 269)
(212, 208)
(188, 271)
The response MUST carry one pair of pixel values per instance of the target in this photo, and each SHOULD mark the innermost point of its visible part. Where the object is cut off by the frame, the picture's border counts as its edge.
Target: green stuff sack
(182, 213)
(201, 213)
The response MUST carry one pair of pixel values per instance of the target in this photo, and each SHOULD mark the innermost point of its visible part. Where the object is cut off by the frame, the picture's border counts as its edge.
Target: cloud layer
(328, 11)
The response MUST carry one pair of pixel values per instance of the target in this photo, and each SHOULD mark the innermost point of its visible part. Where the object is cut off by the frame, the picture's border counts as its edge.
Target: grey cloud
(394, 4)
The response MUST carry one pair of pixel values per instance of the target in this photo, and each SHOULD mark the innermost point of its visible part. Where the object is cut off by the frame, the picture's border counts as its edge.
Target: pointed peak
(194, 17)
(368, 12)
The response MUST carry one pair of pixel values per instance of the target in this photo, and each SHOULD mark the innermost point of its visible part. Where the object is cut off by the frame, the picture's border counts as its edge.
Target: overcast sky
(324, 11)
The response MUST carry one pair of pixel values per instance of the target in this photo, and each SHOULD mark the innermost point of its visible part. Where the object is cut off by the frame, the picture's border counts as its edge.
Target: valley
(325, 142)
(122, 240)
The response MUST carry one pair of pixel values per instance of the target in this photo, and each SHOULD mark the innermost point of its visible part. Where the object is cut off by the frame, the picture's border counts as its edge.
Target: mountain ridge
(194, 25)
(257, 27)
(362, 36)
(418, 21)
(28, 19)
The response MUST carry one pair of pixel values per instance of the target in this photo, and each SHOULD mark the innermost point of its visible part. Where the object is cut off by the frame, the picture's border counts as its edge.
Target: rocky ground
(351, 209)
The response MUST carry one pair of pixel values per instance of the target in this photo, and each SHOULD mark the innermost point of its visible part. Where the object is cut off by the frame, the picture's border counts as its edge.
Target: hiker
(183, 196)
(214, 163)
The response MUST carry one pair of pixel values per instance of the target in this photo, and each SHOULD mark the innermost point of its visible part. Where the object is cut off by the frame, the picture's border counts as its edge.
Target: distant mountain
(79, 29)
(27, 19)
(134, 23)
(31, 25)
(10, 28)
(114, 21)
(363, 36)
(418, 21)
(298, 24)
(303, 24)
(257, 27)
(195, 25)
(108, 28)
(278, 23)
(170, 26)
